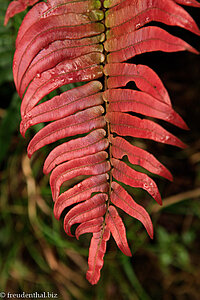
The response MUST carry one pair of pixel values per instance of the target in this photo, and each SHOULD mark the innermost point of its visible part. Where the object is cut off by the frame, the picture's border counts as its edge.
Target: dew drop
(138, 25)
(167, 137)
(28, 115)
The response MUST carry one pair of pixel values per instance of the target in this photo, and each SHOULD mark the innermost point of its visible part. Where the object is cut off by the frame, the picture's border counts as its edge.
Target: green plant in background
(172, 249)
(42, 250)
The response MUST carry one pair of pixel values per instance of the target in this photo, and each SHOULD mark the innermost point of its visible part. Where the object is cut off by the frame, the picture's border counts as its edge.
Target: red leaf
(64, 105)
(144, 40)
(144, 77)
(126, 125)
(79, 123)
(15, 7)
(95, 164)
(90, 209)
(50, 57)
(33, 15)
(44, 10)
(35, 40)
(130, 15)
(129, 100)
(93, 226)
(87, 69)
(81, 192)
(92, 143)
(188, 2)
(96, 254)
(127, 175)
(137, 156)
(117, 228)
(60, 42)
(123, 200)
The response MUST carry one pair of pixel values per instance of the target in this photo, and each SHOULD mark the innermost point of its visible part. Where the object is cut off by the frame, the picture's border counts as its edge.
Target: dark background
(37, 256)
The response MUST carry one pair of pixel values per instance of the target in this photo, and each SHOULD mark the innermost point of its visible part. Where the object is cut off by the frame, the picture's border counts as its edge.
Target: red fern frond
(62, 42)
(16, 7)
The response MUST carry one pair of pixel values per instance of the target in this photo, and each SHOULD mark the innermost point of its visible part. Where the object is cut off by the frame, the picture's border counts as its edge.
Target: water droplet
(138, 25)
(167, 137)
(62, 71)
(38, 75)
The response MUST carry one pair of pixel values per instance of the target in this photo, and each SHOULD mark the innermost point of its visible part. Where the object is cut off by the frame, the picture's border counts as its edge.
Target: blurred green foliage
(35, 253)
